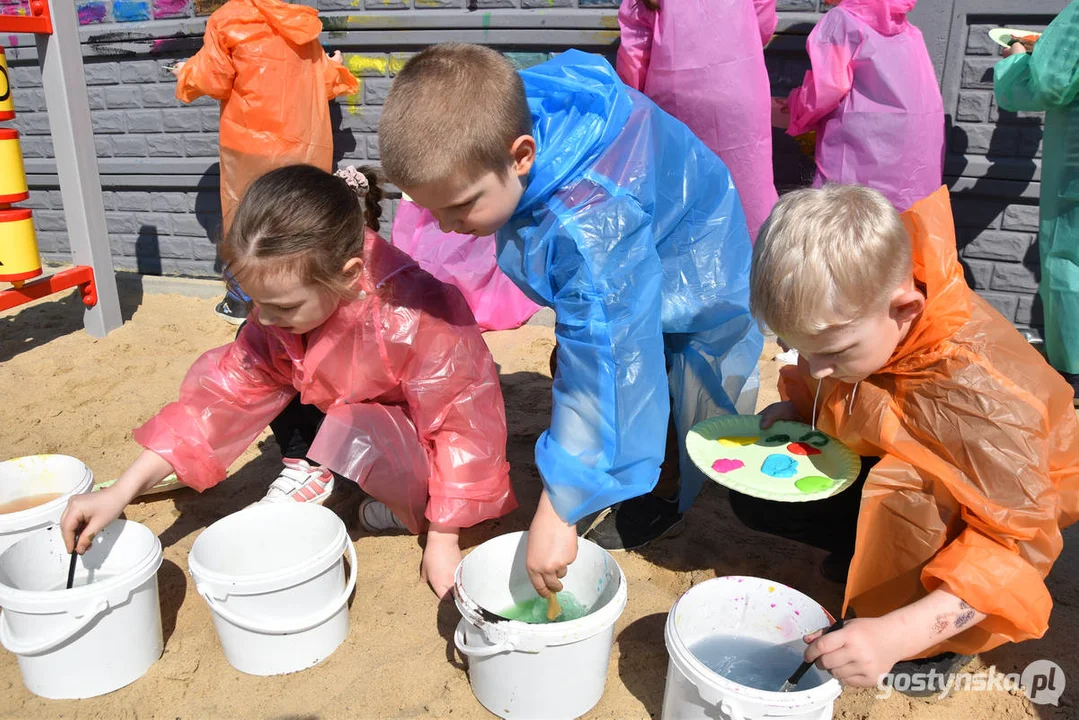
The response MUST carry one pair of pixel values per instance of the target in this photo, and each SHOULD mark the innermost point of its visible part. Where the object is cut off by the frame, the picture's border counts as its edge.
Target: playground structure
(55, 26)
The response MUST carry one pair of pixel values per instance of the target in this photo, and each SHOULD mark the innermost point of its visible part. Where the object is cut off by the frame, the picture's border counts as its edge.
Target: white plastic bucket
(273, 576)
(745, 607)
(103, 633)
(38, 475)
(550, 671)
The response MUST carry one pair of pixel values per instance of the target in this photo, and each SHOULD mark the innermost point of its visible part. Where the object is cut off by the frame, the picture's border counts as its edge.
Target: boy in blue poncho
(610, 211)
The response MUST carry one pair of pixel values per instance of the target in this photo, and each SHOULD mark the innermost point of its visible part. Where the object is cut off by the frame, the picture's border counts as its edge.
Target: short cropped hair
(825, 257)
(454, 108)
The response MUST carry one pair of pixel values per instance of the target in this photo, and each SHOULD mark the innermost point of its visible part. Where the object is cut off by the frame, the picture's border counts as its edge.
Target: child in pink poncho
(388, 360)
(703, 62)
(872, 96)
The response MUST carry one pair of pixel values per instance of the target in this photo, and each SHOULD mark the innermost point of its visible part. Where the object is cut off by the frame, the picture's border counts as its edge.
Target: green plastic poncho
(1048, 79)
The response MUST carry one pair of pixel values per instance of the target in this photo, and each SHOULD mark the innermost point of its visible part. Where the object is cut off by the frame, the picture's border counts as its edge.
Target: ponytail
(364, 182)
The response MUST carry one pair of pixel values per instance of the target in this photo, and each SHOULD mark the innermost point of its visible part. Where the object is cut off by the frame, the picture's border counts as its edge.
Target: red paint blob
(801, 448)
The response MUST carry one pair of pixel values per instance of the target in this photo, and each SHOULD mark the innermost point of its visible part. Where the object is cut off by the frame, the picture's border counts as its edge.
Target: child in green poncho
(1047, 79)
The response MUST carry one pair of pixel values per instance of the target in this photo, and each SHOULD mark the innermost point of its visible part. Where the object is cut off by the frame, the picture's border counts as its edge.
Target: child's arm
(89, 513)
(866, 648)
(450, 383)
(635, 20)
(831, 47)
(210, 71)
(1046, 78)
(339, 80)
(227, 398)
(767, 20)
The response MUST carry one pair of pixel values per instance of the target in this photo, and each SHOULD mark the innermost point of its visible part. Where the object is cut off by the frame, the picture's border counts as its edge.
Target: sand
(63, 391)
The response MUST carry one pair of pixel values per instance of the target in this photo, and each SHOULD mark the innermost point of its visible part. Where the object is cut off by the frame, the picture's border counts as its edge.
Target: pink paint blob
(726, 465)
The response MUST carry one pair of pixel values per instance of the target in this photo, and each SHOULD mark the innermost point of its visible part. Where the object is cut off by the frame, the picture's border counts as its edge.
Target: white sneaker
(300, 482)
(376, 517)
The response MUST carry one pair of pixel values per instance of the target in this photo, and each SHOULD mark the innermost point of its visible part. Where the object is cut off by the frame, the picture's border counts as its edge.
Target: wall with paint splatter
(164, 215)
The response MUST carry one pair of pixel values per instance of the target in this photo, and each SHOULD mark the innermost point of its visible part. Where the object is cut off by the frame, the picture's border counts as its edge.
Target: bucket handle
(506, 645)
(20, 649)
(293, 626)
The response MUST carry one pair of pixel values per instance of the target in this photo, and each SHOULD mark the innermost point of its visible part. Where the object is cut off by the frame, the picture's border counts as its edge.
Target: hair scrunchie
(354, 179)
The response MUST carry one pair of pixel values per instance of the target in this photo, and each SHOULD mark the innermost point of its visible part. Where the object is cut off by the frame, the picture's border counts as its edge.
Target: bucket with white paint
(542, 671)
(273, 576)
(34, 491)
(103, 633)
(743, 608)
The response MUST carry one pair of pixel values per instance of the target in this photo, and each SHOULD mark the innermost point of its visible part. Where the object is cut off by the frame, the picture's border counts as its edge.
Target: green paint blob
(814, 483)
(534, 610)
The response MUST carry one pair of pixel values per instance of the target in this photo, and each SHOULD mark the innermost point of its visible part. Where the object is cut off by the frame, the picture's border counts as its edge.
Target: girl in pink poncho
(872, 96)
(703, 62)
(388, 358)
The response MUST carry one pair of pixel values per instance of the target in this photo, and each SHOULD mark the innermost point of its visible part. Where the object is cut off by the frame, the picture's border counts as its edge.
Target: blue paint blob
(779, 466)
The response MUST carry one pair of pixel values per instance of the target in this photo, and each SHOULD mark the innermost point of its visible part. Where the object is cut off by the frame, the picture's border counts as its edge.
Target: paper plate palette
(788, 462)
(1003, 36)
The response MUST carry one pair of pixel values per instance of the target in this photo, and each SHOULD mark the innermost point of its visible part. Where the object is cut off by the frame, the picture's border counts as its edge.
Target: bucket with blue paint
(732, 642)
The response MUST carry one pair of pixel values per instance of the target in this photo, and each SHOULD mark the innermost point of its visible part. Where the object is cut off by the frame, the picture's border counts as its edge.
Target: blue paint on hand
(779, 466)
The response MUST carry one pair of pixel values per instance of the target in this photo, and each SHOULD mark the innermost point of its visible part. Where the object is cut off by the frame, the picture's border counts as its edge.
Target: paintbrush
(796, 678)
(553, 608)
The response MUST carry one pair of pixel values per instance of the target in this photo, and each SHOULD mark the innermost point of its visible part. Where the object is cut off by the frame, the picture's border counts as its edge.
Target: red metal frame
(81, 276)
(39, 21)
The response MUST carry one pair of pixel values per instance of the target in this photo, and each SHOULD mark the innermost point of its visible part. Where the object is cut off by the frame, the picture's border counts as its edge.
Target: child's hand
(337, 57)
(88, 514)
(176, 68)
(781, 113)
(859, 653)
(775, 412)
(1016, 48)
(440, 560)
(552, 546)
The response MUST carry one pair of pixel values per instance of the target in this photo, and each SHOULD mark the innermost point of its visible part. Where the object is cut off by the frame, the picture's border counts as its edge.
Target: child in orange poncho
(960, 520)
(263, 61)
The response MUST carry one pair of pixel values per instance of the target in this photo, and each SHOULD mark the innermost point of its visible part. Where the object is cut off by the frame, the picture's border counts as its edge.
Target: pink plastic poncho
(872, 96)
(703, 62)
(405, 380)
(466, 262)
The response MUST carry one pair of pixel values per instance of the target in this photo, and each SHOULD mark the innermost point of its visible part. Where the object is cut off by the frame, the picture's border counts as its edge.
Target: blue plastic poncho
(1048, 79)
(631, 229)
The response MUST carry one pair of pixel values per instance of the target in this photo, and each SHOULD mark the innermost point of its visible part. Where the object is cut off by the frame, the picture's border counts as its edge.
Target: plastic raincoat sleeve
(450, 383)
(339, 81)
(636, 21)
(210, 72)
(831, 46)
(227, 398)
(767, 19)
(1046, 78)
(610, 398)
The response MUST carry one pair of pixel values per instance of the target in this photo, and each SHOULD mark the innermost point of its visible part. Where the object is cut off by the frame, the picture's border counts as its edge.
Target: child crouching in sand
(391, 357)
(960, 519)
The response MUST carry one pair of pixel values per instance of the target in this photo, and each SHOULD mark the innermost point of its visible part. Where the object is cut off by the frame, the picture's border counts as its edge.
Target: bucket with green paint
(536, 670)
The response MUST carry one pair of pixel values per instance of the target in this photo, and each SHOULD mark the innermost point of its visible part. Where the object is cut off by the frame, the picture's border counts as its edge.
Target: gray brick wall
(158, 157)
(994, 167)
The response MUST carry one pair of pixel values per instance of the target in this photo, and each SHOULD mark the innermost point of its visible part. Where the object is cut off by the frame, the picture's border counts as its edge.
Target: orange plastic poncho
(404, 366)
(263, 61)
(980, 456)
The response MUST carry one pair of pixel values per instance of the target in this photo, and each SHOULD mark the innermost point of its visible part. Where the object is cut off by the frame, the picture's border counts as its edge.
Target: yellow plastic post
(7, 105)
(12, 173)
(19, 259)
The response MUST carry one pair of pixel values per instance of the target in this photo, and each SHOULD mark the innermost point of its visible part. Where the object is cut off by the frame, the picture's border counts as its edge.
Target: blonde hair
(825, 257)
(453, 108)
